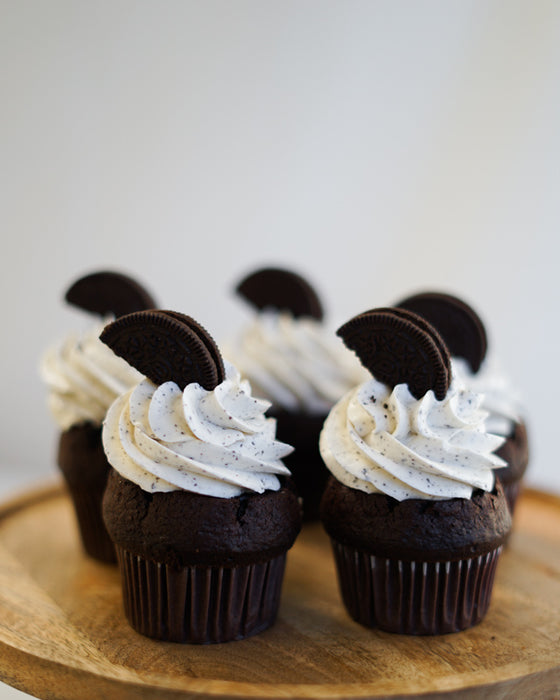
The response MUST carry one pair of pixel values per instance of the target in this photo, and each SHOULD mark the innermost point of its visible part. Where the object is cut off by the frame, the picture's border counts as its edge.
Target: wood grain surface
(63, 633)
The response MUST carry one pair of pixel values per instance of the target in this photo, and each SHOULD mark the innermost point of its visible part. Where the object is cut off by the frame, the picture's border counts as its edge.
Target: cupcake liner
(411, 597)
(198, 604)
(93, 533)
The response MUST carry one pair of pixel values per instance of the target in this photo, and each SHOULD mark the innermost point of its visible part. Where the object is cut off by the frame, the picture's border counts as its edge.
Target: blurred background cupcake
(83, 377)
(294, 360)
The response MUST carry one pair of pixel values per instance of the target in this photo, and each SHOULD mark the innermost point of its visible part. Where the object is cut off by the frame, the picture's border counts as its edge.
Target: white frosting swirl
(294, 362)
(217, 443)
(502, 403)
(83, 377)
(382, 440)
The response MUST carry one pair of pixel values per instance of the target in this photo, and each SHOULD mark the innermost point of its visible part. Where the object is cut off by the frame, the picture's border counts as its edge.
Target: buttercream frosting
(294, 362)
(218, 443)
(382, 440)
(83, 377)
(501, 401)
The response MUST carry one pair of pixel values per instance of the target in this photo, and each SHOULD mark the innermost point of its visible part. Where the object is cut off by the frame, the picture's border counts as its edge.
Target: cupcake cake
(83, 377)
(199, 504)
(292, 360)
(465, 335)
(416, 518)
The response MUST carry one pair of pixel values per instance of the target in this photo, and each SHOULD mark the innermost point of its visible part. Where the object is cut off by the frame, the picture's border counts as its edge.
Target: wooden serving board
(63, 633)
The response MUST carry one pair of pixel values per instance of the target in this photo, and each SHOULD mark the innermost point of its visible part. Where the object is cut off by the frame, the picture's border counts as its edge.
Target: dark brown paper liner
(94, 535)
(197, 604)
(415, 597)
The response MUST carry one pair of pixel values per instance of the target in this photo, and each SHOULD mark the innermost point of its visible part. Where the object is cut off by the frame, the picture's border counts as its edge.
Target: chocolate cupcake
(199, 504)
(464, 333)
(415, 516)
(84, 377)
(291, 359)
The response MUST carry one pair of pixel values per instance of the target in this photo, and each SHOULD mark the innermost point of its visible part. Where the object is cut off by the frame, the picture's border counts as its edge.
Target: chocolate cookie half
(456, 321)
(399, 347)
(109, 292)
(284, 290)
(166, 346)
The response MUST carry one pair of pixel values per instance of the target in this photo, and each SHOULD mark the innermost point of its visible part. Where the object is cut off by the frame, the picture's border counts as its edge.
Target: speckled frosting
(217, 443)
(382, 440)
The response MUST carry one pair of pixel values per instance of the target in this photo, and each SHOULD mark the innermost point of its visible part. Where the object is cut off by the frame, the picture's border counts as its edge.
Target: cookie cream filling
(382, 440)
(294, 362)
(501, 402)
(83, 377)
(216, 443)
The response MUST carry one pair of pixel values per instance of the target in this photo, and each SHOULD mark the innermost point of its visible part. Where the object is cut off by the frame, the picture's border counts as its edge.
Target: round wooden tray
(63, 633)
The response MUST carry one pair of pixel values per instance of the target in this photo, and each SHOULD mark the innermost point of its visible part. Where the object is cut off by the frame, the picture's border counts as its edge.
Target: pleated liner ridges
(200, 605)
(415, 597)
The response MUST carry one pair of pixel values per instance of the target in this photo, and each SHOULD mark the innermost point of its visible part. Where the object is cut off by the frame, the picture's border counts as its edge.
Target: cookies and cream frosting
(217, 443)
(500, 400)
(294, 362)
(83, 377)
(382, 440)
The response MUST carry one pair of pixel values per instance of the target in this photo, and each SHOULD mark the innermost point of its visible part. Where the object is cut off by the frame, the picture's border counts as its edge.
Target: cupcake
(83, 377)
(465, 336)
(416, 518)
(199, 504)
(292, 360)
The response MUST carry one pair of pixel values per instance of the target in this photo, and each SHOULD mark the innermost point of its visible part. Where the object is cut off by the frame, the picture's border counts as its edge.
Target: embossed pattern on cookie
(166, 346)
(400, 348)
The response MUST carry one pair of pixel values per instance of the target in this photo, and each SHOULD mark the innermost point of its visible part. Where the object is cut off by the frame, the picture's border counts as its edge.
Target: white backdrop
(377, 147)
